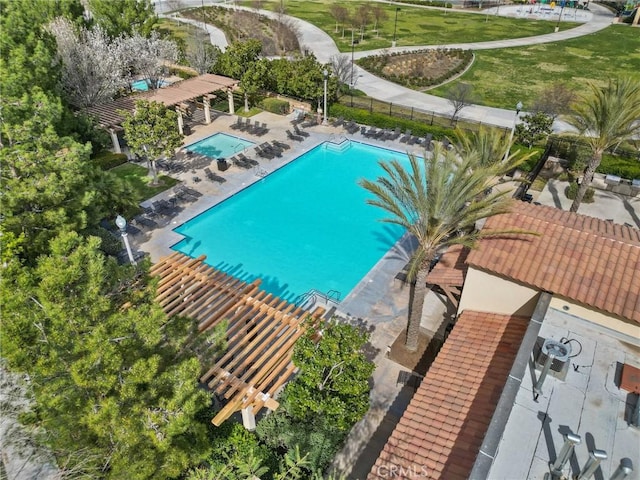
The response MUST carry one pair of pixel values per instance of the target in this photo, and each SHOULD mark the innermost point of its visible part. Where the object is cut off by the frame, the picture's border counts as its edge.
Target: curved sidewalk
(324, 48)
(322, 45)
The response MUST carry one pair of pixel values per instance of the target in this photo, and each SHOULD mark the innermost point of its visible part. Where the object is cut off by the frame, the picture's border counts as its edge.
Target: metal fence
(427, 117)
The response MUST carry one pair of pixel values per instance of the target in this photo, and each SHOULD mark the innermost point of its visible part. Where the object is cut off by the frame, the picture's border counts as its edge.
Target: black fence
(427, 117)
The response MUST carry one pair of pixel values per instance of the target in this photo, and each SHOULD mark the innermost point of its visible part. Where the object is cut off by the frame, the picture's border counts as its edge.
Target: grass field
(416, 25)
(136, 177)
(503, 77)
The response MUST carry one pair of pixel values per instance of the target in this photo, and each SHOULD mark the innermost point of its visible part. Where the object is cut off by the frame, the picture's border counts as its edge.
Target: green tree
(253, 80)
(605, 117)
(534, 128)
(330, 394)
(334, 375)
(152, 132)
(124, 16)
(438, 199)
(239, 61)
(50, 185)
(105, 365)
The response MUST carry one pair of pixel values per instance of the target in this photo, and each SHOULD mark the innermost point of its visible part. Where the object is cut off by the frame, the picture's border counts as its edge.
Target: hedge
(381, 120)
(622, 167)
(108, 160)
(275, 105)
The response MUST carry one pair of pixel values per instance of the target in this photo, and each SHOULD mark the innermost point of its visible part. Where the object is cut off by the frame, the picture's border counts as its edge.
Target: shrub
(108, 160)
(275, 105)
(572, 190)
(381, 120)
(622, 167)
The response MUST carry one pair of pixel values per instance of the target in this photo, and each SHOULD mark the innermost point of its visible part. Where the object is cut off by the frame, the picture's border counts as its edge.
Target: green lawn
(416, 25)
(505, 76)
(136, 177)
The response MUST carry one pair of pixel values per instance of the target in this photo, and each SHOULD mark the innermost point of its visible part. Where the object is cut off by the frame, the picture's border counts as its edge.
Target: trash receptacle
(222, 164)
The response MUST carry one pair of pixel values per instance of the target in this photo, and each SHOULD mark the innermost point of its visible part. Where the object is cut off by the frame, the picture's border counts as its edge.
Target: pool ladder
(313, 295)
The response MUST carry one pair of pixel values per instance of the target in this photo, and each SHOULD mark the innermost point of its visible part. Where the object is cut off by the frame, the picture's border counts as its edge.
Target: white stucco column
(180, 122)
(248, 418)
(207, 109)
(115, 141)
(232, 110)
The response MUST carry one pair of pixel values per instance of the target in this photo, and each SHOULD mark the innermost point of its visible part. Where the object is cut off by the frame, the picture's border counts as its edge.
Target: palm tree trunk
(417, 293)
(586, 180)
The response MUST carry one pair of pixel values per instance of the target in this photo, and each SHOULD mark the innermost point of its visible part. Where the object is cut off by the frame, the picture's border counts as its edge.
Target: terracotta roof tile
(443, 427)
(591, 261)
(451, 269)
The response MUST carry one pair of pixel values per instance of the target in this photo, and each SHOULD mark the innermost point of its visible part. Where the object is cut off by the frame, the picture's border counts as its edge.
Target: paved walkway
(323, 46)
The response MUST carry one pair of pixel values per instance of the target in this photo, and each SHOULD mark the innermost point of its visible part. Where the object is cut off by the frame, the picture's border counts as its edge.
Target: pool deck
(157, 243)
(378, 303)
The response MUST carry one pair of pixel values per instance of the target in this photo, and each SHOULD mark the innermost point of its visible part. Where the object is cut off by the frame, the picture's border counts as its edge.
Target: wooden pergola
(261, 332)
(176, 95)
(449, 272)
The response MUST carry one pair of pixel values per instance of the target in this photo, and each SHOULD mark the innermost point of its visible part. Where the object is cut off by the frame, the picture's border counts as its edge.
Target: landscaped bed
(137, 177)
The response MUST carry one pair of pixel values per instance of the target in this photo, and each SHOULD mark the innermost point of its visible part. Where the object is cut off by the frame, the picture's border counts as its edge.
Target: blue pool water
(143, 85)
(306, 226)
(219, 145)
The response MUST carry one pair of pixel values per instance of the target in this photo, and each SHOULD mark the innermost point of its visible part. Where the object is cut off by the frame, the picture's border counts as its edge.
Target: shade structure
(261, 330)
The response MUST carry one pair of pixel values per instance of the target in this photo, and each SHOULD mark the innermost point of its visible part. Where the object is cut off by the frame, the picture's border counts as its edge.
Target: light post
(513, 129)
(121, 223)
(325, 73)
(395, 27)
(564, 2)
(353, 46)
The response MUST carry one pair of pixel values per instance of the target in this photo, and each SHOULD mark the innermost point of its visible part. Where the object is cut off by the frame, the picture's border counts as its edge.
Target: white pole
(324, 112)
(513, 129)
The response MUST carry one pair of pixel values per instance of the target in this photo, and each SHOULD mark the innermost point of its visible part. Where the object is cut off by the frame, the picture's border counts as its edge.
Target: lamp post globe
(325, 74)
(121, 223)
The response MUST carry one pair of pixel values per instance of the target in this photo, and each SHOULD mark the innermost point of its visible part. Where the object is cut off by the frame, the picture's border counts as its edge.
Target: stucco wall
(595, 316)
(489, 293)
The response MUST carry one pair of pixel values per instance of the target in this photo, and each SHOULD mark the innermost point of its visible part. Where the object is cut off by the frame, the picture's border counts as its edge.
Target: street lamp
(513, 129)
(121, 223)
(325, 73)
(564, 2)
(395, 26)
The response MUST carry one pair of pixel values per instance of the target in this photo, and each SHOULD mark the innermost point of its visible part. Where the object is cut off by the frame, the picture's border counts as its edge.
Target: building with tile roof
(484, 410)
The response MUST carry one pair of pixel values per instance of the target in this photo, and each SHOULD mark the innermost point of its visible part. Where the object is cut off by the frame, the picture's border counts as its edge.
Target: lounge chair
(338, 122)
(281, 145)
(309, 123)
(302, 133)
(213, 176)
(296, 138)
(144, 221)
(248, 162)
(406, 137)
(238, 124)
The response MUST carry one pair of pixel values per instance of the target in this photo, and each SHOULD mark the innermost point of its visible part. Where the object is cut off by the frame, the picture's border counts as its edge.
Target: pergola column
(207, 109)
(115, 141)
(248, 418)
(232, 110)
(180, 121)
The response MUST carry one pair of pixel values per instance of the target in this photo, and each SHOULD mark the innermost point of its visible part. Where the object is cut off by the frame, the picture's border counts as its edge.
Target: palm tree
(605, 117)
(438, 200)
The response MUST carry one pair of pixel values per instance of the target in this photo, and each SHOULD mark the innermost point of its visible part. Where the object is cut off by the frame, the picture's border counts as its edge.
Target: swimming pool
(306, 226)
(219, 145)
(142, 85)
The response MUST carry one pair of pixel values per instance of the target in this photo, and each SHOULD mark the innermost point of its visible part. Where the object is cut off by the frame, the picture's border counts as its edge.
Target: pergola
(261, 332)
(450, 271)
(175, 95)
